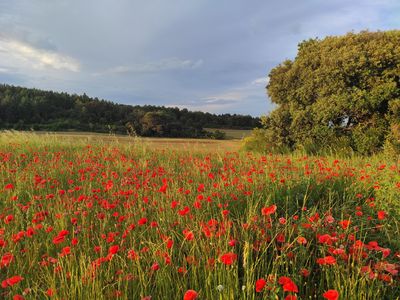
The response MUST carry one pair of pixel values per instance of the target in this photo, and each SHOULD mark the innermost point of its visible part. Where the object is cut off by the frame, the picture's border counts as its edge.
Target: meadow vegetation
(88, 218)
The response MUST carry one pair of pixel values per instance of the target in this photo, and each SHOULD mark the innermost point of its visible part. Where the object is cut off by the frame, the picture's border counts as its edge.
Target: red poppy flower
(6, 260)
(304, 272)
(345, 223)
(155, 266)
(327, 260)
(188, 235)
(266, 211)
(113, 249)
(50, 292)
(9, 186)
(8, 219)
(228, 258)
(280, 238)
(232, 243)
(381, 215)
(282, 221)
(288, 285)
(260, 284)
(163, 188)
(283, 279)
(132, 254)
(385, 252)
(11, 281)
(66, 251)
(63, 232)
(142, 221)
(58, 239)
(302, 240)
(184, 211)
(331, 295)
(190, 295)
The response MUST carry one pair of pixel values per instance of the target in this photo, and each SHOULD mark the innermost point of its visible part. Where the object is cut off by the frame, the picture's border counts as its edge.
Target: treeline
(33, 109)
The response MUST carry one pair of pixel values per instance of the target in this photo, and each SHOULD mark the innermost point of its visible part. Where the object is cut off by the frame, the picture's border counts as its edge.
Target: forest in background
(33, 109)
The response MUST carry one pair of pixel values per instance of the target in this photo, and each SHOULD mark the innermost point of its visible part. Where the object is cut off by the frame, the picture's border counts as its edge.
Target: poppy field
(117, 220)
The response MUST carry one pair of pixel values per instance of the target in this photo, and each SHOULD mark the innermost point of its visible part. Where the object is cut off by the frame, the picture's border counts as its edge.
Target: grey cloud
(151, 67)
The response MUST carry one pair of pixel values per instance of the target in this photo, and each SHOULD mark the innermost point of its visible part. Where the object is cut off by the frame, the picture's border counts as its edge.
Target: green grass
(145, 220)
(232, 134)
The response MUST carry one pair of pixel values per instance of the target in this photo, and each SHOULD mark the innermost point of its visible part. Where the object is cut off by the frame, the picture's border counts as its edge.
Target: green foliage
(392, 143)
(340, 88)
(157, 123)
(218, 135)
(255, 142)
(25, 109)
(261, 140)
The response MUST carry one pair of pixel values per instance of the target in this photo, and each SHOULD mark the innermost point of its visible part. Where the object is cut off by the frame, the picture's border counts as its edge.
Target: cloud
(261, 81)
(220, 101)
(29, 56)
(167, 64)
(251, 92)
(239, 93)
(234, 95)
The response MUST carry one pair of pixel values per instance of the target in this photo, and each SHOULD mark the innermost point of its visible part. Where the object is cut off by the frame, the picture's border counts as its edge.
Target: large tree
(338, 91)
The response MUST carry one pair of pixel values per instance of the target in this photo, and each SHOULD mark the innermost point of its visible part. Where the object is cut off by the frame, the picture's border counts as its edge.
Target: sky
(207, 55)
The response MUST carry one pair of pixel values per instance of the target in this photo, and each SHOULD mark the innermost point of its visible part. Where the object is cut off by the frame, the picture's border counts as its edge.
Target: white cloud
(261, 81)
(27, 56)
(231, 98)
(238, 93)
(235, 95)
(152, 67)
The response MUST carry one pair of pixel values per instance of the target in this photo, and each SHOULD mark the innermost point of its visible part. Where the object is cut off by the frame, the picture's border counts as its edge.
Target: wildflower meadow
(93, 220)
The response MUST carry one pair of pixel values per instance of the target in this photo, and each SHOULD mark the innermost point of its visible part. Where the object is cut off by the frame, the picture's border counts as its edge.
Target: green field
(232, 134)
(105, 217)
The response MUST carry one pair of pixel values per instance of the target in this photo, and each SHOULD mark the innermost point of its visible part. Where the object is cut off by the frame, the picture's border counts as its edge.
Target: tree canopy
(338, 92)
